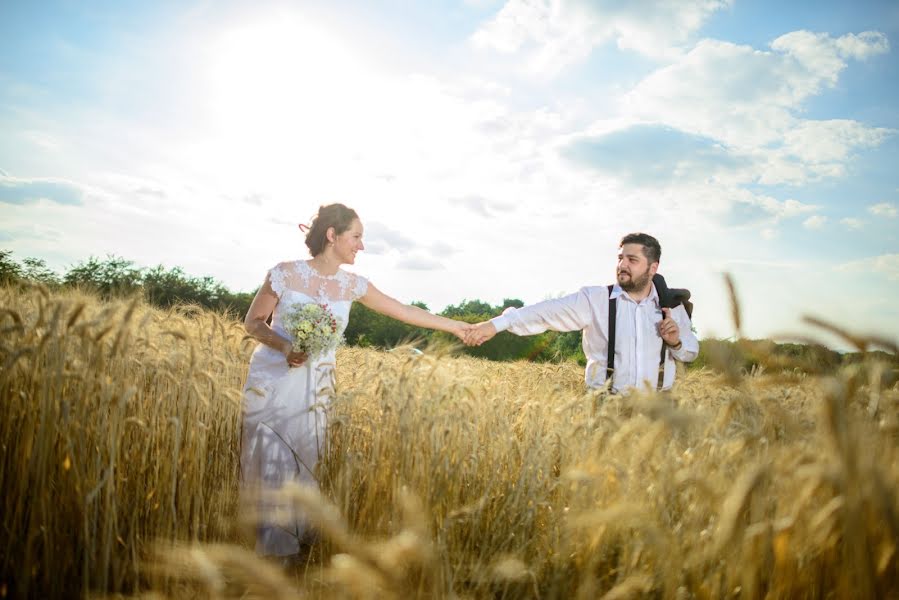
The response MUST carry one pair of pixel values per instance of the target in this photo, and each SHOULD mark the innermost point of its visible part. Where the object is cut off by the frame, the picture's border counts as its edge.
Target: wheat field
(445, 476)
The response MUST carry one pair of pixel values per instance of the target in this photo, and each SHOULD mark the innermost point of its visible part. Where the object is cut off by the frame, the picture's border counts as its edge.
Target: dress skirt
(283, 436)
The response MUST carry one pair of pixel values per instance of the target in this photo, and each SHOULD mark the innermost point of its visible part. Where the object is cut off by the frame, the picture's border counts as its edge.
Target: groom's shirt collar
(617, 291)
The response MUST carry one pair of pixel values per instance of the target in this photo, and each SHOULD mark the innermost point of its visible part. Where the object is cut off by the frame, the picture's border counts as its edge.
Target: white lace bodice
(298, 283)
(298, 276)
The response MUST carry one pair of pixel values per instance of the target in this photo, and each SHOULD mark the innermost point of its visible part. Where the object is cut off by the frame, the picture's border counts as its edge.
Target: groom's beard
(629, 283)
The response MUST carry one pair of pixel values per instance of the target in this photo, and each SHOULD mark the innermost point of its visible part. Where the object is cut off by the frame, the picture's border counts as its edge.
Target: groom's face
(634, 270)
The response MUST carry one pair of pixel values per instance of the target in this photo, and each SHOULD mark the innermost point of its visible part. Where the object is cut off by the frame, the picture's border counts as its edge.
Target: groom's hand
(480, 333)
(669, 330)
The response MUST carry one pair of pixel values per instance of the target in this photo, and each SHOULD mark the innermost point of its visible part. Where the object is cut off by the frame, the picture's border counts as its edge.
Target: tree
(10, 271)
(173, 286)
(167, 287)
(515, 302)
(31, 269)
(369, 328)
(113, 277)
(470, 307)
(35, 269)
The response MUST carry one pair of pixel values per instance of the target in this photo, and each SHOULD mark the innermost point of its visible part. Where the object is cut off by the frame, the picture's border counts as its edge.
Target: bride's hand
(295, 359)
(461, 330)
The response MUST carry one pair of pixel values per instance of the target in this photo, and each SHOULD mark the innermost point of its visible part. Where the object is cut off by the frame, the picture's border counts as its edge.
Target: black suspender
(613, 316)
(610, 361)
(662, 364)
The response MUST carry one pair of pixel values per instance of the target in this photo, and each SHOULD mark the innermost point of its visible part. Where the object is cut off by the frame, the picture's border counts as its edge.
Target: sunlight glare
(283, 87)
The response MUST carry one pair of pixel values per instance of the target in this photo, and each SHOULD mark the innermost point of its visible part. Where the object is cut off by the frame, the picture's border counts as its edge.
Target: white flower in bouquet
(314, 328)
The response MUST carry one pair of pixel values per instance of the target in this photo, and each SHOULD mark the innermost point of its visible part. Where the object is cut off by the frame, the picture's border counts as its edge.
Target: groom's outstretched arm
(568, 313)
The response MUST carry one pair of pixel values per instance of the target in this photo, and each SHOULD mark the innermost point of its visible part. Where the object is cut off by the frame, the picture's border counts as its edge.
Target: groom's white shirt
(637, 340)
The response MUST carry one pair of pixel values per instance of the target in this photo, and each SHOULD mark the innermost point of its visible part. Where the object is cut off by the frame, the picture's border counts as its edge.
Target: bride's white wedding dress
(284, 408)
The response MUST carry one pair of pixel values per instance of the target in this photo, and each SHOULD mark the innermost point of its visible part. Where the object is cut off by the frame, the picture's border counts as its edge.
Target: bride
(286, 391)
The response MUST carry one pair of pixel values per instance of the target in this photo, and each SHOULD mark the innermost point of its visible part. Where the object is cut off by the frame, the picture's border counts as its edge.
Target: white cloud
(403, 148)
(830, 141)
(783, 209)
(760, 211)
(127, 185)
(419, 263)
(885, 264)
(863, 45)
(653, 154)
(852, 223)
(41, 139)
(729, 91)
(814, 222)
(442, 249)
(751, 101)
(556, 33)
(17, 190)
(884, 209)
(33, 232)
(823, 57)
(385, 237)
(482, 206)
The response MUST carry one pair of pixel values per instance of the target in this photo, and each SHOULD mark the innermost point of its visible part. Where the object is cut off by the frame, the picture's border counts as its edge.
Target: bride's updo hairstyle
(338, 216)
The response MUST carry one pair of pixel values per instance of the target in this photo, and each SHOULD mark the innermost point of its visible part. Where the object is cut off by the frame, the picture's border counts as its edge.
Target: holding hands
(478, 334)
(464, 331)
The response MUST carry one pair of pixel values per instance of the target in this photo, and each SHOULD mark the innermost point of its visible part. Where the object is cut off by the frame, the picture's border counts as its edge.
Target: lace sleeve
(360, 287)
(278, 279)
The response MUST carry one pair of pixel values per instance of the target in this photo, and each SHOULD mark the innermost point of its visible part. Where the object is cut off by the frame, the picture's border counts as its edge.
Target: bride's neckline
(318, 274)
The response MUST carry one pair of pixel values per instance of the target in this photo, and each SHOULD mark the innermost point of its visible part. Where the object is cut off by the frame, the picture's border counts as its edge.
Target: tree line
(164, 287)
(115, 276)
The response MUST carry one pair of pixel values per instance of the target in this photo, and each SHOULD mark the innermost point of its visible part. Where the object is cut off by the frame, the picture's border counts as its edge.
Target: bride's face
(348, 243)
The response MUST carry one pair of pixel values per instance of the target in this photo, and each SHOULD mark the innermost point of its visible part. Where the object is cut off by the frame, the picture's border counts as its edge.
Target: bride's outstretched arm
(256, 324)
(380, 302)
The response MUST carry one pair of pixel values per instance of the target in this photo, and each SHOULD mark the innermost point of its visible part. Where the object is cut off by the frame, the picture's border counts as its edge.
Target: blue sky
(494, 149)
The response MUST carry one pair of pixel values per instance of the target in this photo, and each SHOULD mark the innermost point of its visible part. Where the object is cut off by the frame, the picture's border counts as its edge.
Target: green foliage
(369, 328)
(550, 346)
(745, 355)
(35, 269)
(512, 302)
(169, 287)
(469, 308)
(559, 346)
(31, 269)
(114, 276)
(10, 271)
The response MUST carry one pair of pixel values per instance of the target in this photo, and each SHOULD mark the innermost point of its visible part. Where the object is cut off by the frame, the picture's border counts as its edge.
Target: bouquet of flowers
(314, 329)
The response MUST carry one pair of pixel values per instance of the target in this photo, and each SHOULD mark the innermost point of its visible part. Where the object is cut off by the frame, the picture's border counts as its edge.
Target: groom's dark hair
(652, 250)
(338, 216)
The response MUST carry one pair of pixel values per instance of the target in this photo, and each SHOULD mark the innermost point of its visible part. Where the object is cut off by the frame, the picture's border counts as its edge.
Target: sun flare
(282, 87)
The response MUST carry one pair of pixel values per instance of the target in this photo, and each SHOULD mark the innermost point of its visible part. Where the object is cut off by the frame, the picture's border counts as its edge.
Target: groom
(646, 337)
